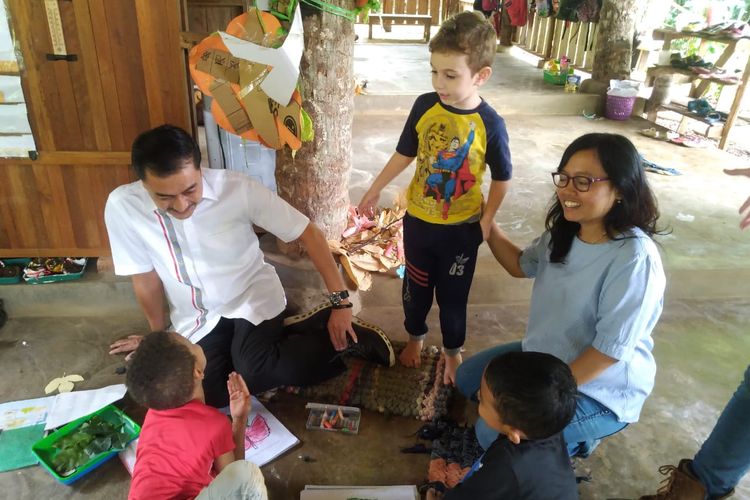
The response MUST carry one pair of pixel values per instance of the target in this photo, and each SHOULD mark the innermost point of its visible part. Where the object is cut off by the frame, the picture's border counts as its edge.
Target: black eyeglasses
(582, 183)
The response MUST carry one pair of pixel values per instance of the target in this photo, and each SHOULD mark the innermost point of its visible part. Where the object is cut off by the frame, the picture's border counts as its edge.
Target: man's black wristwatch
(337, 298)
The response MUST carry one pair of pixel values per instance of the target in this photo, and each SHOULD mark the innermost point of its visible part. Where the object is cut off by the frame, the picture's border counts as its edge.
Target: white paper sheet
(265, 438)
(17, 414)
(69, 406)
(318, 492)
(127, 455)
(281, 81)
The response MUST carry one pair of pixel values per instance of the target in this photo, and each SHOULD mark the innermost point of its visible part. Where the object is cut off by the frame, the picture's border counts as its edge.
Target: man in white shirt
(186, 234)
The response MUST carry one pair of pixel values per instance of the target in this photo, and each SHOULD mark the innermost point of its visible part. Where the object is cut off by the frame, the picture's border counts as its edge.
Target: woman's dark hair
(534, 392)
(162, 151)
(160, 375)
(636, 206)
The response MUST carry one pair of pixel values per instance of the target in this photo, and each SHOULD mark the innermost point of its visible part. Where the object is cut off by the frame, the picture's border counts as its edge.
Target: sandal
(654, 133)
(691, 141)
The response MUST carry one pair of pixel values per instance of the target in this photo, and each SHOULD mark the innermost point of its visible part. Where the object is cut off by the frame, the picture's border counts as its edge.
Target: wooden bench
(387, 19)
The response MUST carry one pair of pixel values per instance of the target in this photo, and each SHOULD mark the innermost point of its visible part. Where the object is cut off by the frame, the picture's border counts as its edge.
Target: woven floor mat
(409, 392)
(453, 454)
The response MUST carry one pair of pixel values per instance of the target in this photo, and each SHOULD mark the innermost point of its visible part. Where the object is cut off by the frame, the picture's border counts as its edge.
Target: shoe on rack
(680, 484)
(372, 342)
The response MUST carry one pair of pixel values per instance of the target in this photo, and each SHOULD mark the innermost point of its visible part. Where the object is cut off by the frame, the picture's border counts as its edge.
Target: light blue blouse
(608, 296)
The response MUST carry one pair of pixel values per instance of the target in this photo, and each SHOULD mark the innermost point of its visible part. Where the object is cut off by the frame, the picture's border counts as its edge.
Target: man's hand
(339, 325)
(745, 208)
(239, 398)
(127, 345)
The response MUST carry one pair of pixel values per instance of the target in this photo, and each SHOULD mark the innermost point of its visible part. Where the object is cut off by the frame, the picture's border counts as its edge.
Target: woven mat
(409, 392)
(453, 454)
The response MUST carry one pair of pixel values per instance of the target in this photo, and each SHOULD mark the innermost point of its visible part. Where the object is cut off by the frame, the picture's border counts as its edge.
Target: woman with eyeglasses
(598, 288)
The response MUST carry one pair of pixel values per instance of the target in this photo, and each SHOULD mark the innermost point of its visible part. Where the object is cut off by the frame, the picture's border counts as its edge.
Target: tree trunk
(316, 180)
(614, 50)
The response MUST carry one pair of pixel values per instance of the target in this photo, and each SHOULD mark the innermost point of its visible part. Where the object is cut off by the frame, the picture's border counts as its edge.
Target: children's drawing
(256, 432)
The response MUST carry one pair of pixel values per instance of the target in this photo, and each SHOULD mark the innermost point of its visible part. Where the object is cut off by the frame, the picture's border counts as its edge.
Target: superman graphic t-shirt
(452, 148)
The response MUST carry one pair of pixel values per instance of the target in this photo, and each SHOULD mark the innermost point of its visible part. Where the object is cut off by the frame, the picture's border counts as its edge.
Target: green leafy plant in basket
(91, 439)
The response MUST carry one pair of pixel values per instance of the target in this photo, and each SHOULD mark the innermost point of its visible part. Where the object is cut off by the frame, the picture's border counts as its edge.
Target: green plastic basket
(10, 280)
(53, 278)
(44, 449)
(555, 79)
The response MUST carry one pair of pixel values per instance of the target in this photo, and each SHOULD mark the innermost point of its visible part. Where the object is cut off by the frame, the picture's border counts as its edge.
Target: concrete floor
(701, 345)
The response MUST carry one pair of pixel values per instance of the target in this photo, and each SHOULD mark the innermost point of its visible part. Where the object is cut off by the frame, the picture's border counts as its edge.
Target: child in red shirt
(184, 443)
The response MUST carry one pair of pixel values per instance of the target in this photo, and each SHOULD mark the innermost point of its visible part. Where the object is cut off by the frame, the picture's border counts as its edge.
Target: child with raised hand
(187, 449)
(453, 134)
(527, 398)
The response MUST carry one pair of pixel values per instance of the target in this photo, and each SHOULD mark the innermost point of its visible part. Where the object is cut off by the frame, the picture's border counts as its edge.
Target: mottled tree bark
(614, 46)
(315, 181)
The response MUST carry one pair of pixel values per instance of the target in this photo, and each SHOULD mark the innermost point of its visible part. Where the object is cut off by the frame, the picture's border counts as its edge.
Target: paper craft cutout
(253, 85)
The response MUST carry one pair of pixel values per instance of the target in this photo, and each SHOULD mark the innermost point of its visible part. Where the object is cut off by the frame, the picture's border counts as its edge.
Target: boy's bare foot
(451, 365)
(411, 356)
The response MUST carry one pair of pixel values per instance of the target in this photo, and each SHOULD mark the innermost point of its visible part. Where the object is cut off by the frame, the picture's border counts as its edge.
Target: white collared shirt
(210, 264)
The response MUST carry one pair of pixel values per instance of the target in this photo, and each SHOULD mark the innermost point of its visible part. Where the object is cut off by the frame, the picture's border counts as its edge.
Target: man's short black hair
(160, 375)
(163, 150)
(534, 392)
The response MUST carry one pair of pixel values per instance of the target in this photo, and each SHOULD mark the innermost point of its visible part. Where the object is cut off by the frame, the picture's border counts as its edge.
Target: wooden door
(127, 76)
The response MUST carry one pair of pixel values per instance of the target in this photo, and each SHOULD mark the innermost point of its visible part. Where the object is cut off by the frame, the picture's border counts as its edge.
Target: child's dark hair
(533, 391)
(467, 33)
(636, 206)
(160, 375)
(163, 150)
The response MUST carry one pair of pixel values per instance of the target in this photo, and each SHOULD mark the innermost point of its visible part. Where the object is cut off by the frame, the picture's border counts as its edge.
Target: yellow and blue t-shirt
(452, 147)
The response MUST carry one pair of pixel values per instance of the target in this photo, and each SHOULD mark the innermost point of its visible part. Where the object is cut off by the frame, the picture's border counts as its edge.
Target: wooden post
(735, 109)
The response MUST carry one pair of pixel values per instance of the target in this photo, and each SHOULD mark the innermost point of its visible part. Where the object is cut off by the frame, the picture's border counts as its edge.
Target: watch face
(337, 297)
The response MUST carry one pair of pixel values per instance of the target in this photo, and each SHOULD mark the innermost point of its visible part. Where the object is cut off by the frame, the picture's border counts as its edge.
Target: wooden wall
(129, 77)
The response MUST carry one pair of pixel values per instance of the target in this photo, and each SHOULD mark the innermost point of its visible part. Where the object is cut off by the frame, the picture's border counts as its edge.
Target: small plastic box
(45, 450)
(334, 418)
(53, 278)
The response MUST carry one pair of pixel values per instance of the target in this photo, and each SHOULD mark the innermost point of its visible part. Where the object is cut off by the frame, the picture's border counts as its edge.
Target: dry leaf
(66, 386)
(62, 384)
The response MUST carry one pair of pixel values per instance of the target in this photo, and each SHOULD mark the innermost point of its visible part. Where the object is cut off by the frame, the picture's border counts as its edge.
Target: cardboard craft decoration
(240, 104)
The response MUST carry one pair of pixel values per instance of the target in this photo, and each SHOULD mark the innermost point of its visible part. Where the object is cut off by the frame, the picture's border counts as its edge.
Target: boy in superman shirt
(453, 134)
(184, 443)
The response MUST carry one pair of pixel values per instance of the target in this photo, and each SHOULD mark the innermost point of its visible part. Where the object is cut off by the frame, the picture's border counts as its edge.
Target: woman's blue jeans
(725, 456)
(592, 421)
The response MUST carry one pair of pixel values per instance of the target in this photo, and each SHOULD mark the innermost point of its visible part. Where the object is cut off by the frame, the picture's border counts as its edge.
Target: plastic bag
(623, 88)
